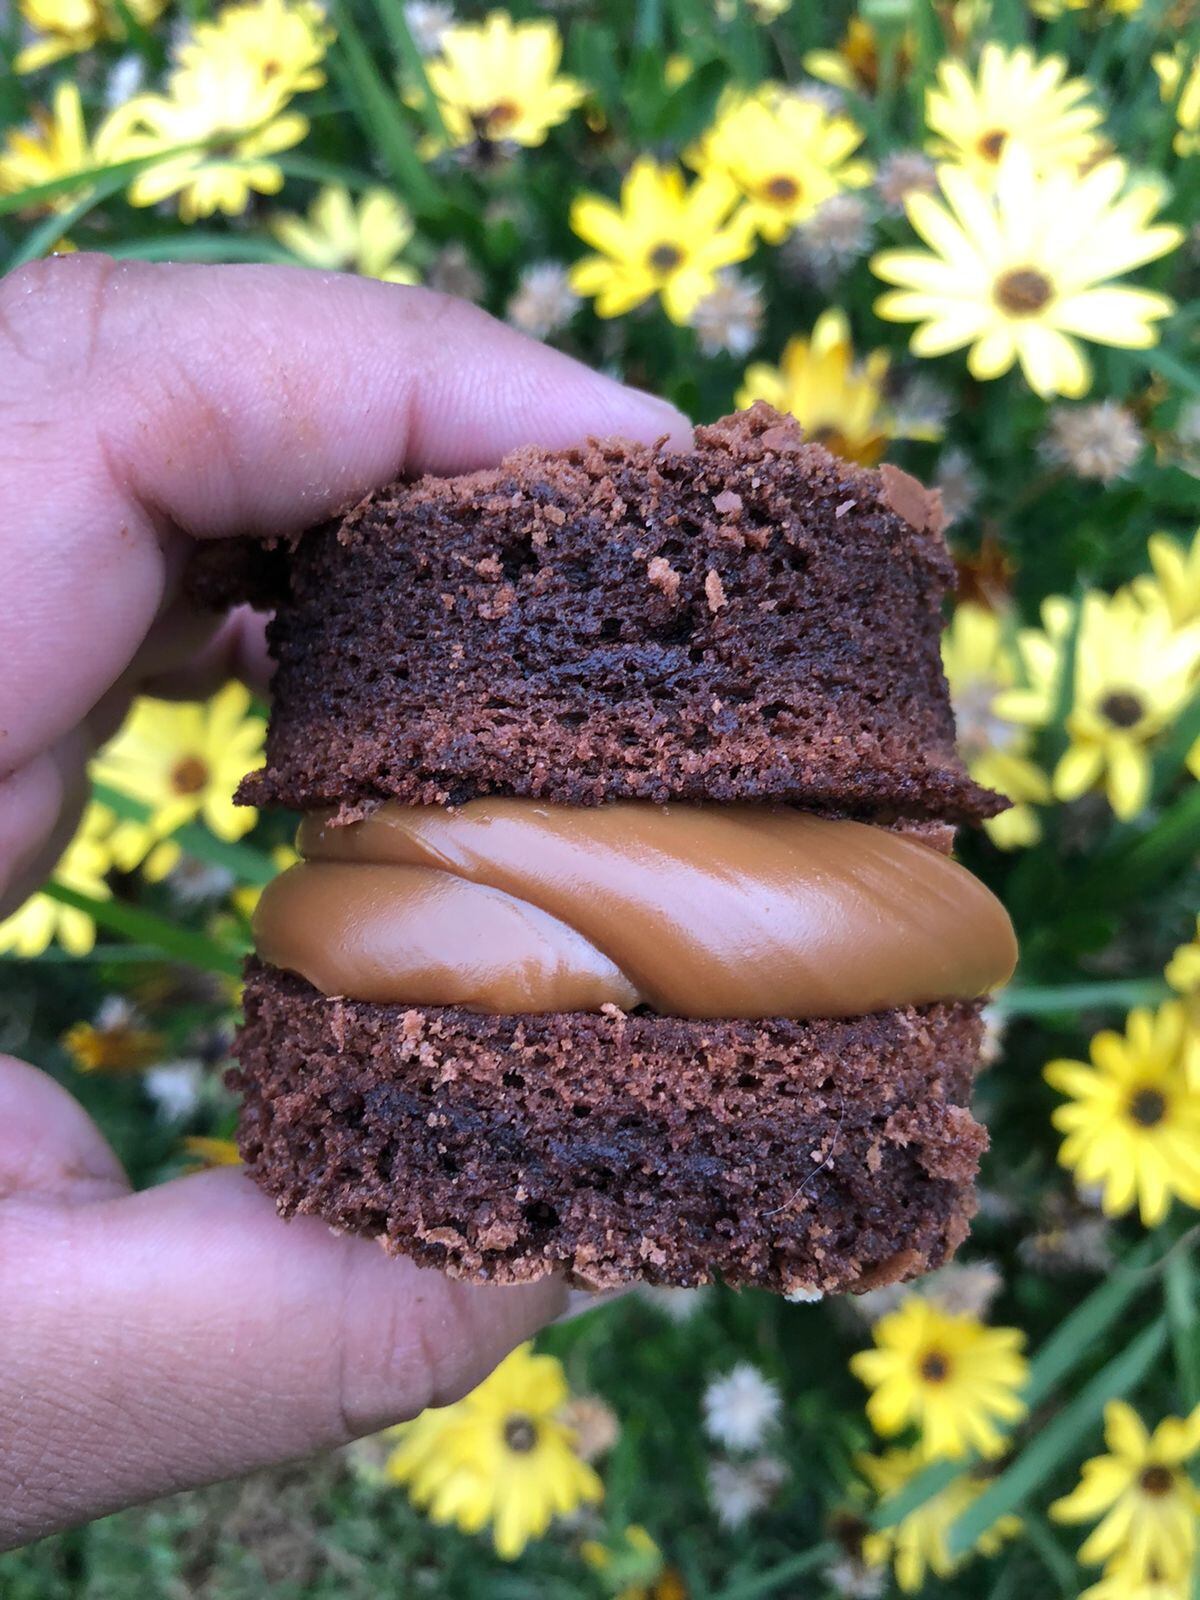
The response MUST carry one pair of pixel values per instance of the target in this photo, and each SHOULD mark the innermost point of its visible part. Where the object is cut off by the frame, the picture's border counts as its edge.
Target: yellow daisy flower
(282, 41)
(1141, 1491)
(1102, 9)
(1176, 580)
(980, 664)
(919, 1544)
(1133, 675)
(945, 1372)
(1132, 1121)
(1022, 271)
(501, 1455)
(854, 65)
(54, 147)
(498, 80)
(1012, 96)
(664, 238)
(68, 27)
(1170, 67)
(342, 235)
(1120, 1582)
(839, 401)
(41, 921)
(633, 1569)
(115, 1042)
(184, 760)
(221, 100)
(786, 153)
(1183, 969)
(209, 1152)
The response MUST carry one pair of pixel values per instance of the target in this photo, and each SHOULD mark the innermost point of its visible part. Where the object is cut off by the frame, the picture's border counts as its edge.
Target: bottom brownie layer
(825, 1155)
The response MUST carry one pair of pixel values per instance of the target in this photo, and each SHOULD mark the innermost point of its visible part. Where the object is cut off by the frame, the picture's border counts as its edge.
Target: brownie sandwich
(626, 940)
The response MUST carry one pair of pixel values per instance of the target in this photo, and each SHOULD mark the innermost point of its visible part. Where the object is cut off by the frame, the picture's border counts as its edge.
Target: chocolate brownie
(750, 621)
(790, 1155)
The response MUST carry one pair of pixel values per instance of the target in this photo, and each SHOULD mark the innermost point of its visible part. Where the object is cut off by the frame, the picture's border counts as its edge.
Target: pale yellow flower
(1012, 96)
(501, 1456)
(68, 27)
(1022, 269)
(664, 238)
(55, 146)
(281, 42)
(342, 235)
(1176, 580)
(1170, 70)
(1183, 969)
(1102, 9)
(183, 760)
(980, 662)
(498, 80)
(220, 101)
(1134, 673)
(786, 153)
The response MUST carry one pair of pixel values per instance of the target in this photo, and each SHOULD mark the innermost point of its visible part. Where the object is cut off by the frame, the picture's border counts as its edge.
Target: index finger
(141, 404)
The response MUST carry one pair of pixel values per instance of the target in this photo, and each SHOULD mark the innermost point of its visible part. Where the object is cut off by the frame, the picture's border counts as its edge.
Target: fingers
(185, 1334)
(140, 400)
(51, 1148)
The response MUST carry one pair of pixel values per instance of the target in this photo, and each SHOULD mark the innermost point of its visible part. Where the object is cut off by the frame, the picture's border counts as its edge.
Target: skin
(156, 1341)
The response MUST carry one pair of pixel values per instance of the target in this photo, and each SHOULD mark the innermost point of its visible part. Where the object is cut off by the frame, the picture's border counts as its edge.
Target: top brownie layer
(752, 619)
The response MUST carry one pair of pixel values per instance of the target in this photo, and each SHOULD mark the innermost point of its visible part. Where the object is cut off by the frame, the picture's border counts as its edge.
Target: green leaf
(411, 62)
(377, 108)
(1179, 1283)
(1173, 369)
(146, 928)
(196, 245)
(1032, 1000)
(51, 229)
(1136, 867)
(37, 194)
(1057, 1561)
(1058, 1440)
(776, 1578)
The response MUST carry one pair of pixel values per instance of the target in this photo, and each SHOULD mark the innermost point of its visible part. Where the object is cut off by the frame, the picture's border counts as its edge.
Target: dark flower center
(935, 1368)
(992, 143)
(1147, 1108)
(665, 257)
(783, 189)
(501, 115)
(1122, 708)
(520, 1434)
(189, 775)
(1157, 1480)
(1023, 291)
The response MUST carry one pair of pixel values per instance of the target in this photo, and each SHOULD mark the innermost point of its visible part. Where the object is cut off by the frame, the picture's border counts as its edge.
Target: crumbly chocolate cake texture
(822, 1155)
(750, 620)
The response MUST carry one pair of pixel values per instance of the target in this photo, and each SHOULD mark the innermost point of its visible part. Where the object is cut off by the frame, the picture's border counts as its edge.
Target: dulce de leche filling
(508, 906)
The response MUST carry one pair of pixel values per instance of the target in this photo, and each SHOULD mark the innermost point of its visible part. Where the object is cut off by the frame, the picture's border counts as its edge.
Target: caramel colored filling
(508, 906)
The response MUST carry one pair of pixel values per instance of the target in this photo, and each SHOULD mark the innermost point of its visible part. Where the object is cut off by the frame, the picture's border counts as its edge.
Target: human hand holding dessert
(159, 1340)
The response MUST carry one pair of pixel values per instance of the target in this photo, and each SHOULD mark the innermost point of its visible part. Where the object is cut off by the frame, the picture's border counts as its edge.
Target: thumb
(157, 1341)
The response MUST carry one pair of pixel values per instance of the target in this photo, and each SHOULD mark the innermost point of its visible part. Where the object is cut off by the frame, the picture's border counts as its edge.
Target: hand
(154, 1341)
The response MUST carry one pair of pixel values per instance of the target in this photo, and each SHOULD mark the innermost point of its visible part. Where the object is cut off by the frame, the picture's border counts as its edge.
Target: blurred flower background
(961, 236)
